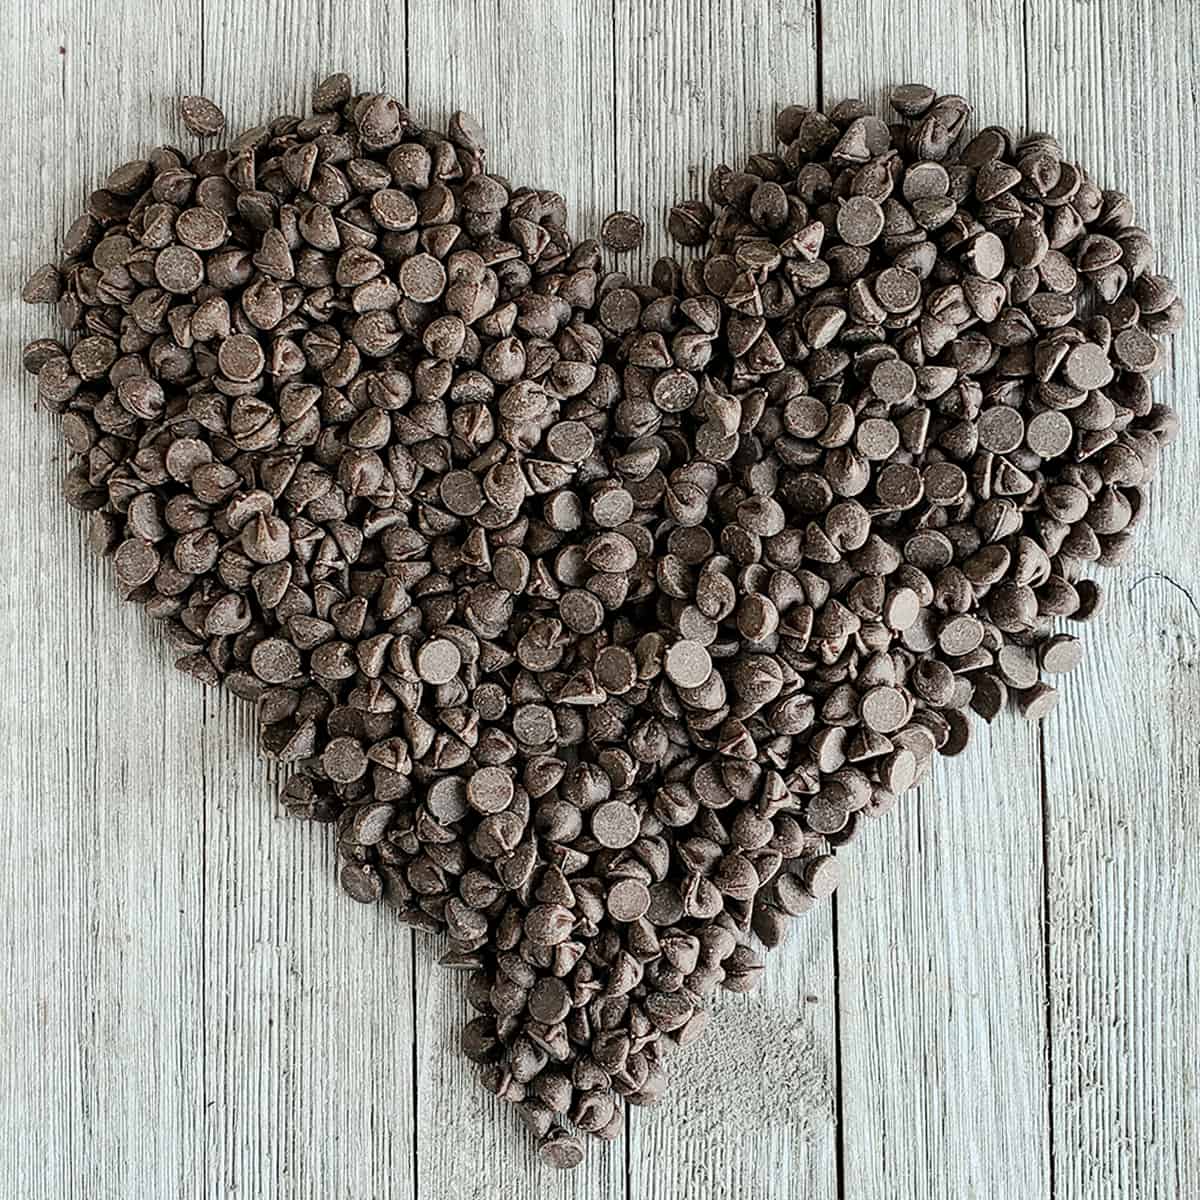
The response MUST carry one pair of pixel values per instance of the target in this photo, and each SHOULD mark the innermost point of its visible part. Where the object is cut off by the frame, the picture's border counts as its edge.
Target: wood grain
(939, 936)
(1117, 82)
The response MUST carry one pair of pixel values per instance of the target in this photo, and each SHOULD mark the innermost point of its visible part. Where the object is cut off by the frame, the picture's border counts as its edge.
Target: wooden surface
(1001, 1002)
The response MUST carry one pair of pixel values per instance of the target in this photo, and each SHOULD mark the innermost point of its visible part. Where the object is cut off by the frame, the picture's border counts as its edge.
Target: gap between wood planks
(204, 795)
(839, 1134)
(1044, 798)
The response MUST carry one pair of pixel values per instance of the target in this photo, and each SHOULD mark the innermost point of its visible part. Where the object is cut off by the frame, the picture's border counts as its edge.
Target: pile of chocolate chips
(595, 613)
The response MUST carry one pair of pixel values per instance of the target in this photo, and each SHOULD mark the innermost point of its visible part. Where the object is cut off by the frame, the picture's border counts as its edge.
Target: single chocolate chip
(490, 789)
(621, 232)
(615, 825)
(628, 900)
(1001, 429)
(344, 760)
(1049, 434)
(960, 635)
(549, 1001)
(438, 661)
(821, 875)
(1087, 367)
(560, 1150)
(1038, 701)
(688, 664)
(201, 116)
(893, 381)
(859, 221)
(1060, 653)
(884, 709)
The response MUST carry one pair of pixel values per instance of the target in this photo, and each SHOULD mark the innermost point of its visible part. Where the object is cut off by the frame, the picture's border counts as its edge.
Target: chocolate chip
(615, 825)
(1049, 434)
(1087, 367)
(945, 483)
(689, 222)
(1038, 701)
(549, 1001)
(1060, 653)
(821, 876)
(201, 116)
(884, 709)
(549, 924)
(893, 381)
(877, 439)
(422, 278)
(560, 1150)
(490, 790)
(898, 289)
(178, 269)
(628, 900)
(241, 357)
(1135, 350)
(344, 760)
(899, 486)
(1017, 666)
(438, 661)
(960, 635)
(688, 664)
(447, 799)
(859, 221)
(616, 670)
(621, 232)
(1001, 429)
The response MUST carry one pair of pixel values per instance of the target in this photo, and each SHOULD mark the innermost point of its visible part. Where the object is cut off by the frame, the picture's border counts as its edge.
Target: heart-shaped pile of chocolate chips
(597, 613)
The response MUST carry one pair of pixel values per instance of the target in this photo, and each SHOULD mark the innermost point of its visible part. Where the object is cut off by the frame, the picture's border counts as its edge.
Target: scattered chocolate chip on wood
(598, 614)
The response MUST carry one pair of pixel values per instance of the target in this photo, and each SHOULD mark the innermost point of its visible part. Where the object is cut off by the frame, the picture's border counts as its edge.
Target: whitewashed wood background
(1003, 999)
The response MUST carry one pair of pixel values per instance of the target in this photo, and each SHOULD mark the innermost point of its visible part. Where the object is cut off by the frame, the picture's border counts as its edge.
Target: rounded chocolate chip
(628, 900)
(688, 664)
(1087, 367)
(178, 269)
(344, 760)
(438, 661)
(1049, 434)
(860, 221)
(1060, 653)
(490, 789)
(615, 825)
(621, 232)
(884, 709)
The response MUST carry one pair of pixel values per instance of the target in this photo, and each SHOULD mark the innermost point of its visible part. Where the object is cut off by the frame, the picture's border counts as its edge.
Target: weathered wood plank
(1117, 83)
(749, 1111)
(101, 794)
(309, 1050)
(539, 77)
(939, 923)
